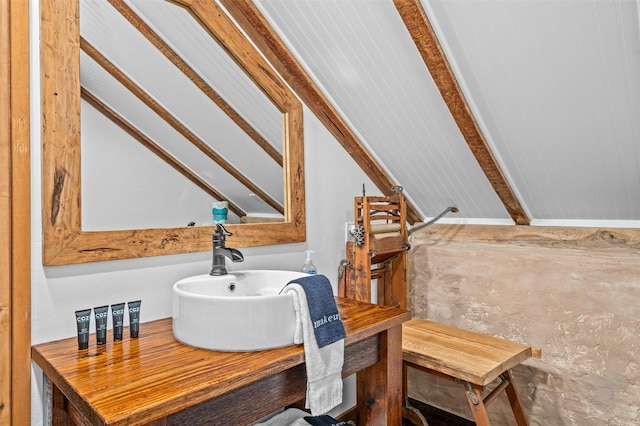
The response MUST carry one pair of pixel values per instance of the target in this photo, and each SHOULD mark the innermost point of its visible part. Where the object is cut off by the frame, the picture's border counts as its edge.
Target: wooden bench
(472, 359)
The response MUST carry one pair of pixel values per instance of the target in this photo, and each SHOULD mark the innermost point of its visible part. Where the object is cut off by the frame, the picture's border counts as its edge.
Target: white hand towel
(324, 365)
(289, 417)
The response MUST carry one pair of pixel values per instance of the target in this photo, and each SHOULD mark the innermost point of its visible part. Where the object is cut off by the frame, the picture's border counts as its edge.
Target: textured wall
(574, 293)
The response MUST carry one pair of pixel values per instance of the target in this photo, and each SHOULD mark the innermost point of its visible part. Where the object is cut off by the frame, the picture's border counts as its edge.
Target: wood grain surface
(466, 355)
(153, 377)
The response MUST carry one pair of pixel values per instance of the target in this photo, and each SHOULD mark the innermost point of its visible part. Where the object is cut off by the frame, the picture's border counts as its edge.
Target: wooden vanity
(155, 379)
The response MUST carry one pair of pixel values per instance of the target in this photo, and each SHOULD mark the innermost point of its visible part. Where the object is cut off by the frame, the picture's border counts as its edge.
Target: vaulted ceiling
(531, 116)
(523, 112)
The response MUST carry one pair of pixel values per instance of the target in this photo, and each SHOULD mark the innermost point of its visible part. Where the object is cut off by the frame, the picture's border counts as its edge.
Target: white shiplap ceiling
(553, 85)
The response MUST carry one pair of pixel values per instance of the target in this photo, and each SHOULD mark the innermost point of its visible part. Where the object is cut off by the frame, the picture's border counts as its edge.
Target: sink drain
(232, 287)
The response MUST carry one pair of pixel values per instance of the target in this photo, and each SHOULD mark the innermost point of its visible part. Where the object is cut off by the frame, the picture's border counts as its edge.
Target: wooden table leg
(379, 387)
(48, 407)
(55, 413)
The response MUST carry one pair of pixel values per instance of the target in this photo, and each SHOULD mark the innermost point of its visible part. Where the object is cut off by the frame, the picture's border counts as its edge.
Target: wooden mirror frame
(64, 241)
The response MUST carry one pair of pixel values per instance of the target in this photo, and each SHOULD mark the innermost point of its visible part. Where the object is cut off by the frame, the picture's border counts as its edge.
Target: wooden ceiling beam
(180, 63)
(175, 123)
(160, 152)
(262, 34)
(418, 25)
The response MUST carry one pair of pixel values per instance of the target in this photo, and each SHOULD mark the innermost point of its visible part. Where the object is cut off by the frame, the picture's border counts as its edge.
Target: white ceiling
(554, 86)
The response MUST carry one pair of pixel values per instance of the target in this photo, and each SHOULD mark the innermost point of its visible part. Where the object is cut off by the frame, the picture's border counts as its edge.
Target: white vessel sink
(240, 311)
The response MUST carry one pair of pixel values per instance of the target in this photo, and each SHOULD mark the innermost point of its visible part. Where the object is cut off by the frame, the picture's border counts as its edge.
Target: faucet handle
(222, 230)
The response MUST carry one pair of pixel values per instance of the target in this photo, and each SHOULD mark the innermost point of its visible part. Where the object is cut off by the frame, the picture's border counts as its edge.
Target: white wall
(332, 180)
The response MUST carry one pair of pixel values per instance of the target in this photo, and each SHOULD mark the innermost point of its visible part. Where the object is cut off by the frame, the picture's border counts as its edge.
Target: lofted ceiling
(514, 111)
(552, 88)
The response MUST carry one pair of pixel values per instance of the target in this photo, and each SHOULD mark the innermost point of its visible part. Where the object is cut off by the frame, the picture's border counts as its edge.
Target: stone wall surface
(575, 295)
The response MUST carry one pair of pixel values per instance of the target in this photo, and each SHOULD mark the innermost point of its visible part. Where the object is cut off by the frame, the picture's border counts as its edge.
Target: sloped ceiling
(554, 87)
(522, 112)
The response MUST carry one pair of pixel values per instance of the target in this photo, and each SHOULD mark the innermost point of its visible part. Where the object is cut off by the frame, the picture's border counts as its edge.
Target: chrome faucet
(218, 266)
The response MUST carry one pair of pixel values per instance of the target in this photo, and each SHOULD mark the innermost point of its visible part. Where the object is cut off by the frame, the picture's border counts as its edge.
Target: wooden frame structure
(64, 239)
(379, 252)
(15, 214)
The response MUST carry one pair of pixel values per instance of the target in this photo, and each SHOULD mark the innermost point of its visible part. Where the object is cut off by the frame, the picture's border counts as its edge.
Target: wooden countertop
(137, 381)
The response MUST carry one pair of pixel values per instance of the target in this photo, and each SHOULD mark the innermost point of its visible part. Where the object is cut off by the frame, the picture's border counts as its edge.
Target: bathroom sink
(239, 311)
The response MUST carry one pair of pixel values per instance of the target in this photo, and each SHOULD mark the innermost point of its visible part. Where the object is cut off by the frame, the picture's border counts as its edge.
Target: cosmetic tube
(83, 319)
(101, 314)
(117, 312)
(134, 318)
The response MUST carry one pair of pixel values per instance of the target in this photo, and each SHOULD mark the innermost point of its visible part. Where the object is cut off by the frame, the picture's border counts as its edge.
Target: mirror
(63, 49)
(159, 78)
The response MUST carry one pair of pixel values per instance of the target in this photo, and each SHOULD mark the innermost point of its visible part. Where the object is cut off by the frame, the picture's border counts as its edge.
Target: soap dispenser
(309, 267)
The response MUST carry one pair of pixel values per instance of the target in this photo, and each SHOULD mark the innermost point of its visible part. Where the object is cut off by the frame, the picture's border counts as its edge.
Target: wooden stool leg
(478, 409)
(514, 400)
